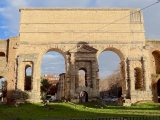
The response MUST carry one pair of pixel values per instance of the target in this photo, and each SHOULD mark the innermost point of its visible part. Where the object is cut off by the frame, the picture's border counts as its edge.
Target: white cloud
(52, 63)
(11, 13)
(59, 3)
(50, 56)
(108, 62)
(2, 10)
(6, 33)
(18, 3)
(3, 27)
(124, 3)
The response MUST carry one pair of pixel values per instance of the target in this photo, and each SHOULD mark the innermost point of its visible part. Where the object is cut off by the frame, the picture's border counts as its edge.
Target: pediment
(84, 49)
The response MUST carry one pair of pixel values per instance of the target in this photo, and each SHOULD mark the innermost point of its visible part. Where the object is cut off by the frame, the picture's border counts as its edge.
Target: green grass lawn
(69, 110)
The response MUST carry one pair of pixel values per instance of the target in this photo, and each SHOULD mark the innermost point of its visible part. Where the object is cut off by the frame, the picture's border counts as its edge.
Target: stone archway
(155, 70)
(83, 96)
(123, 69)
(115, 49)
(53, 68)
(156, 61)
(52, 49)
(80, 42)
(50, 56)
(49, 49)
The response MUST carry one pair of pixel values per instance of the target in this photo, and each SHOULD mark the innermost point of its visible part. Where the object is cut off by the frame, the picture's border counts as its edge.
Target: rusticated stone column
(34, 77)
(124, 77)
(127, 77)
(144, 66)
(72, 75)
(68, 75)
(35, 92)
(131, 76)
(19, 72)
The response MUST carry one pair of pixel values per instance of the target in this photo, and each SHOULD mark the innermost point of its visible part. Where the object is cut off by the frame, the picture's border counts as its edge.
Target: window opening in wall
(28, 78)
(83, 96)
(2, 54)
(158, 90)
(138, 79)
(82, 78)
(156, 61)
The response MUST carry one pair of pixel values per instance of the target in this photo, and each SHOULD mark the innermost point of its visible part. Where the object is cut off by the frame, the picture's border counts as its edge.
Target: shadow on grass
(144, 106)
(66, 110)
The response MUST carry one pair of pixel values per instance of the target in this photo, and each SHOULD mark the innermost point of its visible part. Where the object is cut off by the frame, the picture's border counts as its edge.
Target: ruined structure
(62, 91)
(81, 35)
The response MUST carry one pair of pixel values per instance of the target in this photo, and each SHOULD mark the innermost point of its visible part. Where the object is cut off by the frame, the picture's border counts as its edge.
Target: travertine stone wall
(81, 35)
(70, 24)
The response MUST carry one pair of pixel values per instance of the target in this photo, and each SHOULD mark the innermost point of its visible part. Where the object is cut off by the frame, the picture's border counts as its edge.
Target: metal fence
(115, 118)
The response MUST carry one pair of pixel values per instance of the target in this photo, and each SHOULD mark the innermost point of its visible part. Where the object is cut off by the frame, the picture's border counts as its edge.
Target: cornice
(78, 9)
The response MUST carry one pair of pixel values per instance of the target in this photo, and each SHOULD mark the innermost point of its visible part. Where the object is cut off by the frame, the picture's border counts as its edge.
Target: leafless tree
(112, 84)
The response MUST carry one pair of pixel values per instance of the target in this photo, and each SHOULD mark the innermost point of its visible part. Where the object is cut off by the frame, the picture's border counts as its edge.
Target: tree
(112, 85)
(44, 86)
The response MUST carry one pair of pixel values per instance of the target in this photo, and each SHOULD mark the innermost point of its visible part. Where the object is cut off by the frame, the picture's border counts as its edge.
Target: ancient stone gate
(80, 35)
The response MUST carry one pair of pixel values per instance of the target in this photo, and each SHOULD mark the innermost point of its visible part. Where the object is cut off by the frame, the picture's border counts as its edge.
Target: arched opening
(53, 64)
(156, 61)
(110, 73)
(158, 90)
(2, 54)
(156, 72)
(28, 78)
(82, 78)
(138, 79)
(83, 96)
(3, 92)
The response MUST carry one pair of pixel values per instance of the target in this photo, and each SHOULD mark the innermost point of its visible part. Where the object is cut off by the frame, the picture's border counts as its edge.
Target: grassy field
(69, 110)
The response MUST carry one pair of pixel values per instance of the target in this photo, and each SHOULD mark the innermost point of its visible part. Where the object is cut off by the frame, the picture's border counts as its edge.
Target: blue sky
(9, 25)
(53, 63)
(9, 12)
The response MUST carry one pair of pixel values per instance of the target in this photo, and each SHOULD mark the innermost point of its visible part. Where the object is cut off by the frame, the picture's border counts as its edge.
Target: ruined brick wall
(153, 49)
(3, 57)
(8, 64)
